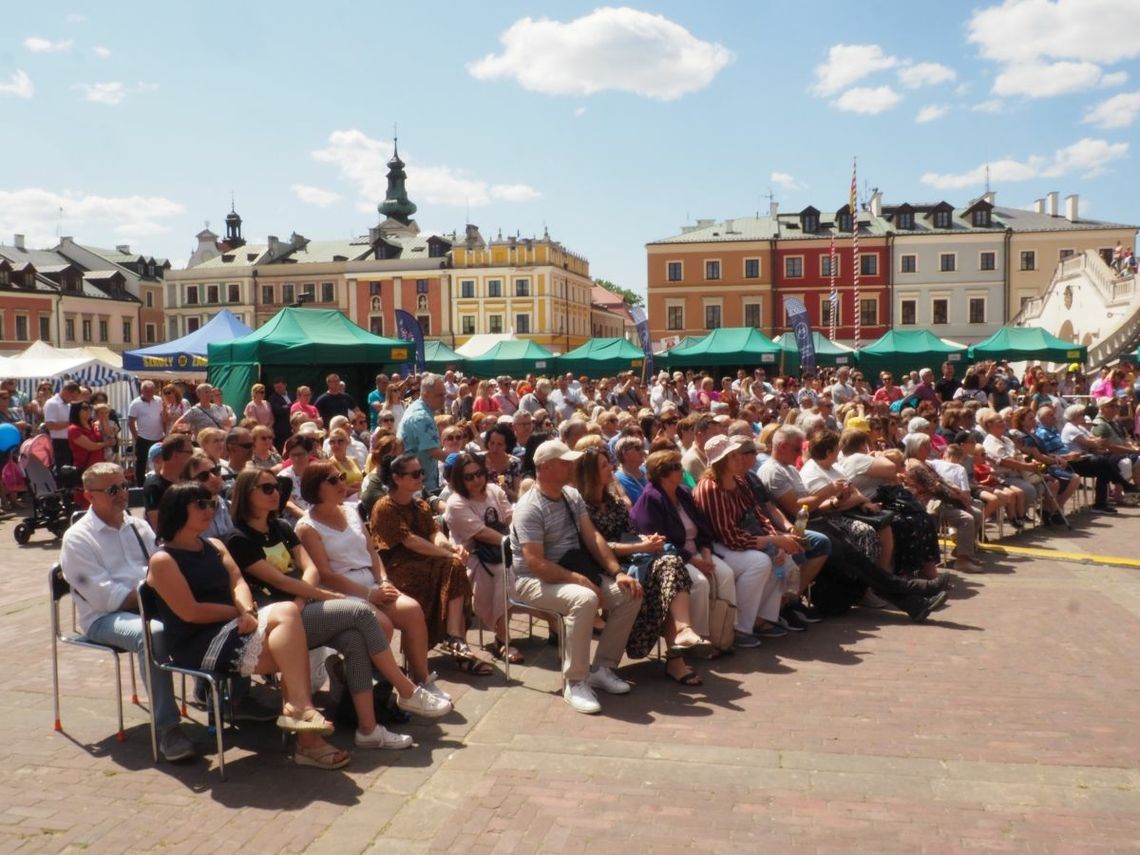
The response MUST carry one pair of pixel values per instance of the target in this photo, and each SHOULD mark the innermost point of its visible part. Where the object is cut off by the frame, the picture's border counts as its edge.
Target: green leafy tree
(630, 298)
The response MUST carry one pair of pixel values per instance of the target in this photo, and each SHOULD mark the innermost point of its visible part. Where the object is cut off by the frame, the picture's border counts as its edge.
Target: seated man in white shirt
(104, 557)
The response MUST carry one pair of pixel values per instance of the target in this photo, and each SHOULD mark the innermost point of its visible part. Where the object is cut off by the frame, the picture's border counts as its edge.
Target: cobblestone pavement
(1009, 722)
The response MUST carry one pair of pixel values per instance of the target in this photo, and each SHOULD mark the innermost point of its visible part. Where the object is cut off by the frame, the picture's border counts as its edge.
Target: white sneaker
(871, 600)
(431, 686)
(582, 698)
(424, 703)
(381, 738)
(605, 679)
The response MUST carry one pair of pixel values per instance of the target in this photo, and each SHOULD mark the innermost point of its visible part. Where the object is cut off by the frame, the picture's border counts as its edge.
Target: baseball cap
(554, 449)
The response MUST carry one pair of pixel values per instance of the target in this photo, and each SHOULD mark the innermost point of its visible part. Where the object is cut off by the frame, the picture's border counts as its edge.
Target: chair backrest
(148, 608)
(57, 584)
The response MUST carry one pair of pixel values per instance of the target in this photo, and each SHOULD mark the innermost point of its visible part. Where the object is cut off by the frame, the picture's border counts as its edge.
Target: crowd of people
(710, 513)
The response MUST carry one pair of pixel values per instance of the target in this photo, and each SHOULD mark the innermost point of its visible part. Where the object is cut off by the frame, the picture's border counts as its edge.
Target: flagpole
(855, 253)
(833, 297)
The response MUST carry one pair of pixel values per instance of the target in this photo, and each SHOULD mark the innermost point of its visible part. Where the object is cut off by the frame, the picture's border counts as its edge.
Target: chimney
(274, 245)
(877, 204)
(1072, 208)
(124, 248)
(18, 241)
(773, 209)
(1039, 206)
(728, 224)
(1051, 203)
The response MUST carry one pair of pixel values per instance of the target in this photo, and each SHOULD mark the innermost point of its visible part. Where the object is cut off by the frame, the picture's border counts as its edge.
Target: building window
(376, 326)
(21, 327)
(712, 317)
(844, 222)
(211, 294)
(794, 267)
(45, 328)
(826, 263)
(495, 323)
(977, 310)
(151, 333)
(267, 295)
(234, 295)
(752, 268)
(494, 287)
(86, 329)
(287, 296)
(467, 289)
(905, 220)
(752, 317)
(869, 265)
(150, 299)
(947, 262)
(69, 329)
(422, 303)
(987, 261)
(940, 311)
(467, 324)
(712, 270)
(908, 264)
(421, 286)
(375, 304)
(522, 287)
(104, 331)
(675, 317)
(673, 271)
(1022, 303)
(1028, 259)
(193, 324)
(425, 323)
(1066, 253)
(869, 313)
(127, 330)
(981, 218)
(328, 292)
(941, 219)
(809, 223)
(373, 289)
(908, 313)
(191, 295)
(1105, 253)
(522, 324)
(309, 291)
(826, 309)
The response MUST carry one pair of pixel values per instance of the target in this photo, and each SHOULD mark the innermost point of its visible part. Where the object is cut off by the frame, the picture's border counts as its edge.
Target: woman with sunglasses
(211, 621)
(174, 406)
(265, 456)
(337, 543)
(201, 469)
(422, 562)
(503, 468)
(278, 568)
(300, 451)
(479, 511)
(87, 445)
(338, 446)
(258, 408)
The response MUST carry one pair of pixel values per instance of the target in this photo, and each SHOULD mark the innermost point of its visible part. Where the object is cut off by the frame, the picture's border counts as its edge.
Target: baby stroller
(53, 500)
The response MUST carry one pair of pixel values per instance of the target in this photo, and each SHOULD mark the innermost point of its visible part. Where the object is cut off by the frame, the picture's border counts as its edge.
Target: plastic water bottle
(799, 528)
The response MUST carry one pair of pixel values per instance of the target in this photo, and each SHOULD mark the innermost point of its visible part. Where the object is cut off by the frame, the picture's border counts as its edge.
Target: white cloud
(867, 100)
(315, 195)
(991, 106)
(101, 52)
(363, 162)
(848, 63)
(111, 93)
(930, 113)
(19, 84)
(926, 74)
(36, 213)
(1061, 43)
(619, 49)
(785, 181)
(1116, 78)
(36, 44)
(579, 112)
(1119, 111)
(1086, 157)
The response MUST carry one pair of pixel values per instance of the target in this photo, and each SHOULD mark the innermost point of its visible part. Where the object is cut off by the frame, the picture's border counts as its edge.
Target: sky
(611, 126)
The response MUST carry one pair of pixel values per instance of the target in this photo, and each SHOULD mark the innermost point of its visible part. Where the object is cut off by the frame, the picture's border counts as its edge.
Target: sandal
(456, 646)
(690, 678)
(474, 667)
(310, 721)
(496, 649)
(322, 756)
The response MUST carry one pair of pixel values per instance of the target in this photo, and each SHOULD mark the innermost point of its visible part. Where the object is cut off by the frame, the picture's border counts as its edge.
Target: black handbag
(877, 521)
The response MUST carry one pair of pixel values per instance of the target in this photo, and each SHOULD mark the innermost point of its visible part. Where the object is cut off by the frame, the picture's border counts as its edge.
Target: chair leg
(134, 681)
(219, 725)
(58, 726)
(184, 712)
(121, 736)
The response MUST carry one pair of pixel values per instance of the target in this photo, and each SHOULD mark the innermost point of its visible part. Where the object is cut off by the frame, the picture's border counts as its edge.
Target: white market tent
(94, 367)
(479, 344)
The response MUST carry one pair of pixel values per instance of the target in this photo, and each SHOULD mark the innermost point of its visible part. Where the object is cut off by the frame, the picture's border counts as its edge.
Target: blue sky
(613, 126)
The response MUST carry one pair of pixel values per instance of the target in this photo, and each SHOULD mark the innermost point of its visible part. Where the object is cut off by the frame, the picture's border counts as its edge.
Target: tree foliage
(630, 298)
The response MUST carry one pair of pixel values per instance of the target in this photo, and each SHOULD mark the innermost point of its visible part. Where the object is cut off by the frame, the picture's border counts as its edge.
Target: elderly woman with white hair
(955, 508)
(924, 426)
(1002, 455)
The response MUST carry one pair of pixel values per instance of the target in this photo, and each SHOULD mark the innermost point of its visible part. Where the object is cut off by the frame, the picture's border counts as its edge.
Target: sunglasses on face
(245, 445)
(268, 489)
(413, 473)
(388, 419)
(210, 504)
(474, 476)
(670, 468)
(333, 480)
(113, 490)
(204, 476)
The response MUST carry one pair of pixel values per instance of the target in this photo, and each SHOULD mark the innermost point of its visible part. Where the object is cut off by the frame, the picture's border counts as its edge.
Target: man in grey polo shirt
(205, 413)
(551, 522)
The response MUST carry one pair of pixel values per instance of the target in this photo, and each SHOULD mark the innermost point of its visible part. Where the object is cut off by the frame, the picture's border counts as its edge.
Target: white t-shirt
(952, 473)
(57, 410)
(854, 467)
(815, 477)
(148, 417)
(1069, 434)
(999, 448)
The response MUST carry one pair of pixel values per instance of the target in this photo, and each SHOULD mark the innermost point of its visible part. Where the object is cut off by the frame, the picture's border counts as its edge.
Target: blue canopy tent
(189, 352)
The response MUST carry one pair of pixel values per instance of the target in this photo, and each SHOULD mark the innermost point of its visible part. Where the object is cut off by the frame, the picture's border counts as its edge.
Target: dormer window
(845, 222)
(905, 220)
(810, 223)
(981, 218)
(942, 219)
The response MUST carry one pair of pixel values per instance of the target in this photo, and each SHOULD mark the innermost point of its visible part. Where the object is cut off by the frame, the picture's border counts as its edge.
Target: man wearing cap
(1106, 427)
(562, 564)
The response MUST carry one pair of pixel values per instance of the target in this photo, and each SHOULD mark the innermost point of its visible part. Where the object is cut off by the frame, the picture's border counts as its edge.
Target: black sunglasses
(203, 477)
(210, 504)
(268, 489)
(113, 490)
(245, 445)
(473, 476)
(413, 473)
(333, 480)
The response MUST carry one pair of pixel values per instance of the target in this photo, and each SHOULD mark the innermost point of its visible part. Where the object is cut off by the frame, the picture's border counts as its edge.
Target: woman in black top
(210, 620)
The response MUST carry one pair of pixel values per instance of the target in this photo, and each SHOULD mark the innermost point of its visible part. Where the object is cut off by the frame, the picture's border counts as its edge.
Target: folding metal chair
(510, 598)
(58, 589)
(148, 609)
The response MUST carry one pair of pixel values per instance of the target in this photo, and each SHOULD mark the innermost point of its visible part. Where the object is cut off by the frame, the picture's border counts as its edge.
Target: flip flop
(310, 721)
(322, 756)
(690, 678)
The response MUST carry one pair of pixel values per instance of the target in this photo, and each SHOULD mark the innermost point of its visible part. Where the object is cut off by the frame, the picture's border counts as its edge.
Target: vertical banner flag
(833, 261)
(798, 320)
(642, 321)
(408, 328)
(856, 262)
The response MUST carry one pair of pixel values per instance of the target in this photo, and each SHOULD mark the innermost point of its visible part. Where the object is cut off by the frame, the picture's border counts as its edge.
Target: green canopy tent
(302, 345)
(1028, 343)
(909, 350)
(684, 342)
(727, 346)
(601, 357)
(827, 352)
(439, 357)
(515, 358)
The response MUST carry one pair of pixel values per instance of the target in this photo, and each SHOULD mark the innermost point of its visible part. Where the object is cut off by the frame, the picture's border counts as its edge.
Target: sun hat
(554, 449)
